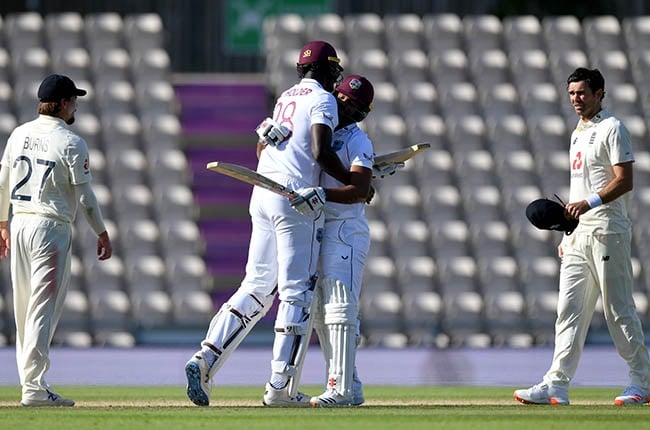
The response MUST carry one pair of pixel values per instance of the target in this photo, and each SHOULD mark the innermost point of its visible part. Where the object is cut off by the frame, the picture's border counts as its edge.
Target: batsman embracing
(294, 147)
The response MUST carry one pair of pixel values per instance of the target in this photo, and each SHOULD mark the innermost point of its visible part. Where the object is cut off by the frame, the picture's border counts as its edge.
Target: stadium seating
(491, 103)
(453, 260)
(130, 120)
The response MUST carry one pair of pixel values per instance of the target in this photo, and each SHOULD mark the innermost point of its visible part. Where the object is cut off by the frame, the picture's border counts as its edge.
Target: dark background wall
(195, 28)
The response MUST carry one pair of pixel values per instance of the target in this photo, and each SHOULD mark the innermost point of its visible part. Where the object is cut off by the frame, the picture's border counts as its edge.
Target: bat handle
(327, 210)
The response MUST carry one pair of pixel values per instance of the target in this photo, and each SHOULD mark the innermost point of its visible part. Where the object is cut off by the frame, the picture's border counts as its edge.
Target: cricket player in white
(295, 145)
(44, 176)
(596, 257)
(344, 249)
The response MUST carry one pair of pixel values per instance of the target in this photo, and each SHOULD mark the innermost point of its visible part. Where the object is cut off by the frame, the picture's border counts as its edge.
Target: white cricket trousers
(40, 273)
(593, 265)
(344, 251)
(284, 248)
(342, 258)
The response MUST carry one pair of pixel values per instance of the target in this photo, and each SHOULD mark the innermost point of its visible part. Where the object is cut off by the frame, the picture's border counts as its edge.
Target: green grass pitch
(135, 408)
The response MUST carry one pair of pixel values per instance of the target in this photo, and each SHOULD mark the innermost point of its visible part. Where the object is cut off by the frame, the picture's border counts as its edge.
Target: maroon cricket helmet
(358, 89)
(318, 51)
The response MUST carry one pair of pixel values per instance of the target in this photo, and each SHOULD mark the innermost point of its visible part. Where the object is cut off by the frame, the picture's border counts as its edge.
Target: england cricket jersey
(298, 108)
(596, 146)
(47, 159)
(353, 148)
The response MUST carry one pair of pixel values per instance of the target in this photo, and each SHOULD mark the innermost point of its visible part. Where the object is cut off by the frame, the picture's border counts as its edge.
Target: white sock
(279, 380)
(209, 355)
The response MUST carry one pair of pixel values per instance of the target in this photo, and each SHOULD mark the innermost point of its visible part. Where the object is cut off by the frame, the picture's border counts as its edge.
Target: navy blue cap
(57, 87)
(547, 214)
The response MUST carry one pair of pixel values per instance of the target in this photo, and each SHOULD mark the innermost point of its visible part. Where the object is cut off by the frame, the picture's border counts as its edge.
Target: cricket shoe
(280, 398)
(332, 399)
(199, 385)
(543, 394)
(357, 392)
(53, 399)
(632, 395)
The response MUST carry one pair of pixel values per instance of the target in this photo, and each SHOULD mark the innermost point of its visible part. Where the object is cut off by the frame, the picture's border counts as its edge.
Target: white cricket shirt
(46, 160)
(353, 148)
(596, 146)
(298, 108)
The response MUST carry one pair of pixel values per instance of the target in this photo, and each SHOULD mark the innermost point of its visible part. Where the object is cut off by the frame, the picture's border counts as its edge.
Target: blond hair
(50, 108)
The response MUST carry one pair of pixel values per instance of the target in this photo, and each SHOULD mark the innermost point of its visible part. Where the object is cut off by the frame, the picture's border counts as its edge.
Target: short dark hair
(594, 79)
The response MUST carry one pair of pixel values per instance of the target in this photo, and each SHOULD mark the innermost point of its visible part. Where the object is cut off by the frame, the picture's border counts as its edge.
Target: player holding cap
(294, 147)
(596, 256)
(45, 174)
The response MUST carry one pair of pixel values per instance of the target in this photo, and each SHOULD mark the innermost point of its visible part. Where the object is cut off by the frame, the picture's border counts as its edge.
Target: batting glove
(309, 200)
(382, 170)
(272, 133)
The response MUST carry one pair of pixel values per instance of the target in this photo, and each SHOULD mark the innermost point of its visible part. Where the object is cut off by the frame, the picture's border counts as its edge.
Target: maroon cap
(318, 52)
(358, 89)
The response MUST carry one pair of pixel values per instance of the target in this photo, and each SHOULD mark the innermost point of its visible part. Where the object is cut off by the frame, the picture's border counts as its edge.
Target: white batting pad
(233, 322)
(341, 325)
(318, 322)
(293, 329)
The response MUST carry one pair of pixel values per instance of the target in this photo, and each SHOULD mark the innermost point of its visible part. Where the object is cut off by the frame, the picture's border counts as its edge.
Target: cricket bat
(249, 176)
(402, 155)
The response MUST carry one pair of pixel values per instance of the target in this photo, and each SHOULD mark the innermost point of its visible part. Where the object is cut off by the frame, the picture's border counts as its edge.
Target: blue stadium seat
(482, 32)
(522, 33)
(363, 32)
(143, 32)
(329, 27)
(404, 32)
(64, 31)
(442, 32)
(603, 32)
